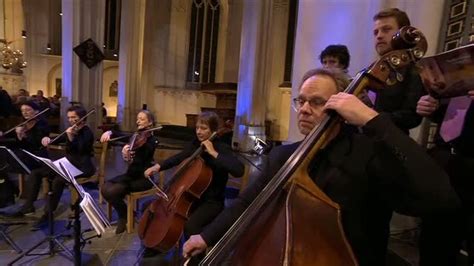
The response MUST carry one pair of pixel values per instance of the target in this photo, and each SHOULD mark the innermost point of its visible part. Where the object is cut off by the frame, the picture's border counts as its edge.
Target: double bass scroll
(271, 231)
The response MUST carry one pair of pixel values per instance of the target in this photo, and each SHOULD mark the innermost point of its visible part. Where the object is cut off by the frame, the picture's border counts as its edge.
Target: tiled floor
(123, 249)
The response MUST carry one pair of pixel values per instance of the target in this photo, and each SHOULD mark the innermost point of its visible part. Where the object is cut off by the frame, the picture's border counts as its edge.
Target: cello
(275, 216)
(162, 223)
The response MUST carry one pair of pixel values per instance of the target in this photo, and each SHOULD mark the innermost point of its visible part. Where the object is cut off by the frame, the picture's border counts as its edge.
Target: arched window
(203, 38)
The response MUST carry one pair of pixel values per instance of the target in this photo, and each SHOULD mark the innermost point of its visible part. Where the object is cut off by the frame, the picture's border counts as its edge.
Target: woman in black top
(79, 152)
(26, 137)
(29, 137)
(219, 157)
(133, 180)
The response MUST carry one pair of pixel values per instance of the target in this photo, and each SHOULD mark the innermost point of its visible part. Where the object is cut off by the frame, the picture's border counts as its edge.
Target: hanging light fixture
(9, 58)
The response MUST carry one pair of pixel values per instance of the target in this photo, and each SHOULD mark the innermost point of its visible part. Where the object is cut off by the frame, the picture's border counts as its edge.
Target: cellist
(139, 159)
(363, 172)
(219, 157)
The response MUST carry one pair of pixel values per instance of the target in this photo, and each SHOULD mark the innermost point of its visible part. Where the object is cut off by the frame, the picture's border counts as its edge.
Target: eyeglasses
(315, 103)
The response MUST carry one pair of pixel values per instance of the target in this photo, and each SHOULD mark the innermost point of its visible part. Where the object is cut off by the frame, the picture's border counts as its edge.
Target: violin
(28, 124)
(138, 139)
(76, 126)
(143, 131)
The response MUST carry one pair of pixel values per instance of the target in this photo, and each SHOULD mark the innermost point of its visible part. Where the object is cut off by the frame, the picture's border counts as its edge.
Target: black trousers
(33, 186)
(442, 235)
(115, 190)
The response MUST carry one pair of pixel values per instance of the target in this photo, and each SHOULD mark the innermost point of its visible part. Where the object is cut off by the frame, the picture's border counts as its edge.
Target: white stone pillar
(82, 20)
(131, 94)
(252, 86)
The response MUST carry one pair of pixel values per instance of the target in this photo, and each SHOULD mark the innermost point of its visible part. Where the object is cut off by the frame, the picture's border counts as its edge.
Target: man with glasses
(365, 173)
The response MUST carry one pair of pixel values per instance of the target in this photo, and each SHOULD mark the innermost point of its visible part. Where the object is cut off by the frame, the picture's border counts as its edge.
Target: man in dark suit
(368, 174)
(398, 99)
(442, 235)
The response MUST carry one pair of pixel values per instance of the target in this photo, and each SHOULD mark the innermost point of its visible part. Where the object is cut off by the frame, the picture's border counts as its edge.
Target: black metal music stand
(79, 241)
(11, 163)
(51, 238)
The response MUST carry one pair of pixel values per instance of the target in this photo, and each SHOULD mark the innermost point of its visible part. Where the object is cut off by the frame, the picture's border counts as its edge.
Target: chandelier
(11, 59)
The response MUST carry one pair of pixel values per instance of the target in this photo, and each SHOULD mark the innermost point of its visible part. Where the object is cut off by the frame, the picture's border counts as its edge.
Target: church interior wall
(166, 92)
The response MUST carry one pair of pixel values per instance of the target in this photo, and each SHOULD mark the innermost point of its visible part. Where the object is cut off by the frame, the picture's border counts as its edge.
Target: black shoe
(40, 224)
(121, 226)
(149, 252)
(24, 210)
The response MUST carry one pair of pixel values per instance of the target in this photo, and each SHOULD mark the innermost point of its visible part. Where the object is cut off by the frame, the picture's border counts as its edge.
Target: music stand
(93, 213)
(51, 238)
(13, 163)
(85, 201)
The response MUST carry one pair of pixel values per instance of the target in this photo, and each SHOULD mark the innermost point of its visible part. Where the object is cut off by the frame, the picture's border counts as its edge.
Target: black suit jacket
(399, 100)
(369, 175)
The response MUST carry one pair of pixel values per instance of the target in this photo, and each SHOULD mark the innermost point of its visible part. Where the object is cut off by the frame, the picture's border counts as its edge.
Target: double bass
(273, 230)
(162, 223)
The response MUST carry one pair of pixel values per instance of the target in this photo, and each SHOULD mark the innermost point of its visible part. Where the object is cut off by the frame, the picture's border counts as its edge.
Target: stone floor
(124, 249)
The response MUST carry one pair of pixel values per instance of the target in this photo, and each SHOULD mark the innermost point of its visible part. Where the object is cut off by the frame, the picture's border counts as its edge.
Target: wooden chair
(21, 186)
(132, 204)
(98, 177)
(240, 183)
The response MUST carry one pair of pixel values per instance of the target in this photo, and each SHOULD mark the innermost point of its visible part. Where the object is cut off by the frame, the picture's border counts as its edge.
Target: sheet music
(87, 204)
(73, 181)
(95, 217)
(50, 164)
(97, 220)
(68, 165)
(449, 74)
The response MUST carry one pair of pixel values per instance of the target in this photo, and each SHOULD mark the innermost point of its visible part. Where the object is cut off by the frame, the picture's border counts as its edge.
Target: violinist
(27, 137)
(79, 151)
(363, 171)
(219, 157)
(140, 157)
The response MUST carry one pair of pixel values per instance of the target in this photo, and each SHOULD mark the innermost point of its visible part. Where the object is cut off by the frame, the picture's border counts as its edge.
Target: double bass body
(321, 242)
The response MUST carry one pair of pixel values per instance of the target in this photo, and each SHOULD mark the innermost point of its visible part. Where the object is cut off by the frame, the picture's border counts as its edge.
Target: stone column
(82, 20)
(131, 93)
(253, 82)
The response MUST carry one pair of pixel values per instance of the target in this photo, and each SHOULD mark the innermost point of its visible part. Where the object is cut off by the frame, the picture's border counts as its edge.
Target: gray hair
(339, 77)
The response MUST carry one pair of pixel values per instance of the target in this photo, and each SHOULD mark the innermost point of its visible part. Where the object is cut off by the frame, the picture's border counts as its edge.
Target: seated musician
(219, 157)
(27, 137)
(365, 171)
(139, 159)
(79, 140)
